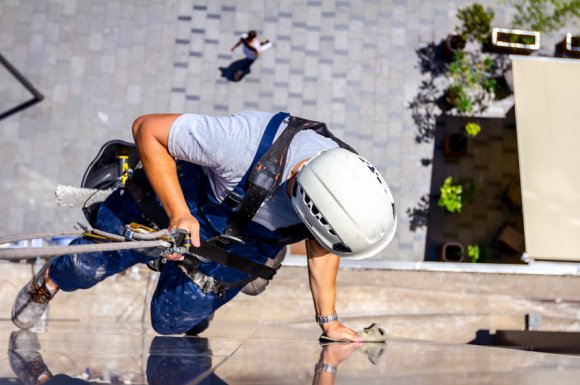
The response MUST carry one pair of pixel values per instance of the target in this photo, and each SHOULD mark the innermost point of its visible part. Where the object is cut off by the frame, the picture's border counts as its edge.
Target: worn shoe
(25, 359)
(32, 300)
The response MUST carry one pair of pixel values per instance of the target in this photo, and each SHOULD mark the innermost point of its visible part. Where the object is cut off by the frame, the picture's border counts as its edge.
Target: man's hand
(188, 223)
(338, 331)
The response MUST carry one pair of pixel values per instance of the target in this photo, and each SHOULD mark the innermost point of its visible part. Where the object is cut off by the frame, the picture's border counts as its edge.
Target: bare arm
(322, 271)
(151, 133)
(236, 46)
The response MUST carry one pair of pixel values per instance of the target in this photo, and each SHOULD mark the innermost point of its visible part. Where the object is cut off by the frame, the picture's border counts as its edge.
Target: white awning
(547, 102)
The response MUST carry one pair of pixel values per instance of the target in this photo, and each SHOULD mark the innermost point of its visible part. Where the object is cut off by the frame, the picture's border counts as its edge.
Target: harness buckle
(233, 199)
(225, 239)
(210, 285)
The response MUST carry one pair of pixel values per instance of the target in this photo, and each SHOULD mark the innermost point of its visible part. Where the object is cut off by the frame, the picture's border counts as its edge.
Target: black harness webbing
(219, 255)
(266, 174)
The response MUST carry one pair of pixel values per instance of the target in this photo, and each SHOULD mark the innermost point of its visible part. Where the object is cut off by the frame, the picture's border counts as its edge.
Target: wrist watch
(322, 367)
(326, 319)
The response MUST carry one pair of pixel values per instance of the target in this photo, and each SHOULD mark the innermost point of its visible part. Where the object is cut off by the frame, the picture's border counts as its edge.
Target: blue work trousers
(177, 304)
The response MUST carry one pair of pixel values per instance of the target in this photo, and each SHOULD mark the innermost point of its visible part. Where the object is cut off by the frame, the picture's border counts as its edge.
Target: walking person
(252, 48)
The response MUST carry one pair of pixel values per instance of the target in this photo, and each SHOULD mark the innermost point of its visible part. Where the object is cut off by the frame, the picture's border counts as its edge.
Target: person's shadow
(236, 70)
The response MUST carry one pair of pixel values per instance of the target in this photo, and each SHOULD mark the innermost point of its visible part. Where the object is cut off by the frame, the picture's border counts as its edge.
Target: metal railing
(36, 95)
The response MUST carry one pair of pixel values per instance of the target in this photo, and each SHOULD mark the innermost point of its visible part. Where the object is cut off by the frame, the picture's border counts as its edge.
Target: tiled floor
(237, 354)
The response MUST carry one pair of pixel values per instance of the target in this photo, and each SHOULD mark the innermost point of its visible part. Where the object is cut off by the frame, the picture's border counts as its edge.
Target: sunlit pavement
(244, 354)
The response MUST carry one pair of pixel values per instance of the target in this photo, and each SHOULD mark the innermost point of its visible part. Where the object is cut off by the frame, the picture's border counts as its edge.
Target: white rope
(24, 237)
(12, 254)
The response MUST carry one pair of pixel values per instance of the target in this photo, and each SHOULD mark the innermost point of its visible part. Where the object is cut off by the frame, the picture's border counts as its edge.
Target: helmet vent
(315, 212)
(373, 170)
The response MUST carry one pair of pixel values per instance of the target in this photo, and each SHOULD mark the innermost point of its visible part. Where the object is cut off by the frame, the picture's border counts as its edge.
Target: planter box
(454, 145)
(514, 40)
(452, 44)
(452, 252)
(571, 45)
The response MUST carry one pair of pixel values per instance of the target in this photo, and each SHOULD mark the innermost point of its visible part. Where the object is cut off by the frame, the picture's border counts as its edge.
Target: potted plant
(570, 45)
(452, 252)
(515, 41)
(476, 26)
(453, 94)
(471, 83)
(476, 22)
(454, 145)
(452, 44)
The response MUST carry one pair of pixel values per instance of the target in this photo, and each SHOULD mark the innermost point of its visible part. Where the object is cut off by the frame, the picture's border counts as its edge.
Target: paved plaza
(101, 64)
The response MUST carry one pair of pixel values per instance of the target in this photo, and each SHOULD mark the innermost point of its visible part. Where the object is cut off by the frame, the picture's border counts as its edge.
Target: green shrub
(450, 199)
(544, 15)
(476, 22)
(472, 129)
(477, 253)
(473, 253)
(471, 79)
(464, 105)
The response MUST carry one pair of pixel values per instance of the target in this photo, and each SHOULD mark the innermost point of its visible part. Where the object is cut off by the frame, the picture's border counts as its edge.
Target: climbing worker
(242, 187)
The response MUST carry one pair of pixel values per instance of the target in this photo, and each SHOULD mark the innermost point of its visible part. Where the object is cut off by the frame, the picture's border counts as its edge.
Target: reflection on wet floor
(71, 353)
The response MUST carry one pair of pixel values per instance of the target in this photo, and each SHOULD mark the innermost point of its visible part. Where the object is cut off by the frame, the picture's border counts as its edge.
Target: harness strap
(266, 175)
(144, 197)
(217, 254)
(234, 198)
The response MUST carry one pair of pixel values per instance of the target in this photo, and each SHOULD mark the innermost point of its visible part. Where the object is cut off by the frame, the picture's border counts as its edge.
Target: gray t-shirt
(225, 147)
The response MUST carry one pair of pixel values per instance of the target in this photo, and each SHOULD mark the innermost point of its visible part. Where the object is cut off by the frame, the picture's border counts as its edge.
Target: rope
(148, 236)
(12, 254)
(24, 237)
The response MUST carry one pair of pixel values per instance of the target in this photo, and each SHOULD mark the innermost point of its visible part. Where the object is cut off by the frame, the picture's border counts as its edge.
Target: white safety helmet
(345, 203)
